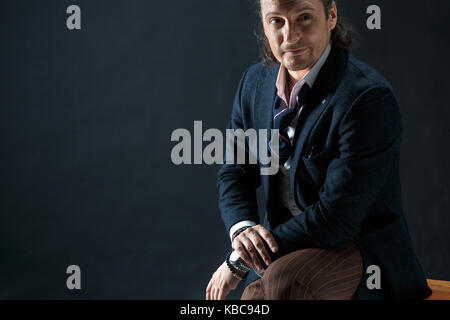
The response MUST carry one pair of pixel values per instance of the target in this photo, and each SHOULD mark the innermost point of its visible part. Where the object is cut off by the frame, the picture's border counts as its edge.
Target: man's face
(297, 30)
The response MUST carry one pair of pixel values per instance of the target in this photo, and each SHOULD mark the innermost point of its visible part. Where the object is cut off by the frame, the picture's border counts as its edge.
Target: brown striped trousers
(310, 274)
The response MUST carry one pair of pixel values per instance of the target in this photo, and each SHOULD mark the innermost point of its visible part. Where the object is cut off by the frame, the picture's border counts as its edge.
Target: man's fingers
(242, 251)
(250, 246)
(256, 263)
(261, 248)
(208, 290)
(221, 295)
(268, 237)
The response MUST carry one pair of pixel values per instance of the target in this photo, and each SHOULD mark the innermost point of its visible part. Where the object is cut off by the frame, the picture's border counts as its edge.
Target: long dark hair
(341, 35)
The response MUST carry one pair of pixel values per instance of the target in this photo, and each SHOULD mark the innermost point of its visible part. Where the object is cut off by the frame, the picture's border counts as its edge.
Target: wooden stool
(441, 290)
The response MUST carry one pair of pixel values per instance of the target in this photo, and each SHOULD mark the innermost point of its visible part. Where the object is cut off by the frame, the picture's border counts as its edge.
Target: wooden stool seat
(441, 290)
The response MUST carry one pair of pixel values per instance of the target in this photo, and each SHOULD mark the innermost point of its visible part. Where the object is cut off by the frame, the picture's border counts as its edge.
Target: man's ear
(333, 16)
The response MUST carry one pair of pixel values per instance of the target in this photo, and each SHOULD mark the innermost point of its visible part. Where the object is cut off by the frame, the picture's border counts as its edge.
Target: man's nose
(291, 33)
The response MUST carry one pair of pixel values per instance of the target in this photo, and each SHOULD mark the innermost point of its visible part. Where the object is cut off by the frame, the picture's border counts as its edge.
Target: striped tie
(283, 117)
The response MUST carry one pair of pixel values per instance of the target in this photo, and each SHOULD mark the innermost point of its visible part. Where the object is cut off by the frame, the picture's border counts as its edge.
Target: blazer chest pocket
(316, 163)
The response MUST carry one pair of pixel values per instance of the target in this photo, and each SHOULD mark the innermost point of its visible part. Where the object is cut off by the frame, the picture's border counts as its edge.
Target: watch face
(234, 256)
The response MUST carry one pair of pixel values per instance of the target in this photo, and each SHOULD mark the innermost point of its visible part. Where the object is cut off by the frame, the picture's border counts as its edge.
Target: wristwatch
(237, 262)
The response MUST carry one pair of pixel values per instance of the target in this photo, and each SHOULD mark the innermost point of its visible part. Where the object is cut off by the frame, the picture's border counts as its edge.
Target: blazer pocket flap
(317, 164)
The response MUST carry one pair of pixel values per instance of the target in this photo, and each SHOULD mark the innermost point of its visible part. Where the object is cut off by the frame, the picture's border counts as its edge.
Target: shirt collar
(309, 78)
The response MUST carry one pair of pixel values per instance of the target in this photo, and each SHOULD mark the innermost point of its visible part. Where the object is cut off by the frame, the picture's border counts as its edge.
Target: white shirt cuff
(237, 226)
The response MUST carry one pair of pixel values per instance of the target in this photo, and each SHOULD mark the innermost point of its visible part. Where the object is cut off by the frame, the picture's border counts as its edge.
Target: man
(334, 208)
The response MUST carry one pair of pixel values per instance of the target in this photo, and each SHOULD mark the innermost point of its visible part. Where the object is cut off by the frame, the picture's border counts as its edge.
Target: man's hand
(221, 283)
(250, 246)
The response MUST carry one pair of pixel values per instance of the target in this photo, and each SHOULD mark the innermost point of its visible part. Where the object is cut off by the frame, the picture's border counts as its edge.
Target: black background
(86, 117)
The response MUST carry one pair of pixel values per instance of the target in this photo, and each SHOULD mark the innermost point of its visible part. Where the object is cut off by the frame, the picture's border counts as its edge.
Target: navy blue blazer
(348, 188)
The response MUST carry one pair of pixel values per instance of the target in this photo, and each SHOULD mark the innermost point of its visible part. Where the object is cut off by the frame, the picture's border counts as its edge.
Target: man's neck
(296, 76)
(287, 79)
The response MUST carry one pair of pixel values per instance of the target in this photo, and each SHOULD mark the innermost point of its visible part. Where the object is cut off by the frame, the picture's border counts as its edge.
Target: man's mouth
(296, 51)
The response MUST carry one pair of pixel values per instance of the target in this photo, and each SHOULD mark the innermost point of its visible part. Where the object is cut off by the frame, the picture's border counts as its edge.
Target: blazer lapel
(264, 103)
(327, 80)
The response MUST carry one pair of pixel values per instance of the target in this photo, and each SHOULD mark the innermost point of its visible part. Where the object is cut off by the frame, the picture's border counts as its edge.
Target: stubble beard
(297, 63)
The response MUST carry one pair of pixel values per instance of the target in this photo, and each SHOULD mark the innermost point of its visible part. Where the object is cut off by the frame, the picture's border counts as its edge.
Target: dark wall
(86, 117)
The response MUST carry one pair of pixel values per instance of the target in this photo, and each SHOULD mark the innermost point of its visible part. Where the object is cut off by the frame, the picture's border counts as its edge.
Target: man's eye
(305, 17)
(275, 20)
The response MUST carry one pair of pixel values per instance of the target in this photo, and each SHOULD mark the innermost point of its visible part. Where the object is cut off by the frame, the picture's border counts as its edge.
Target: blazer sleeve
(369, 145)
(237, 183)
